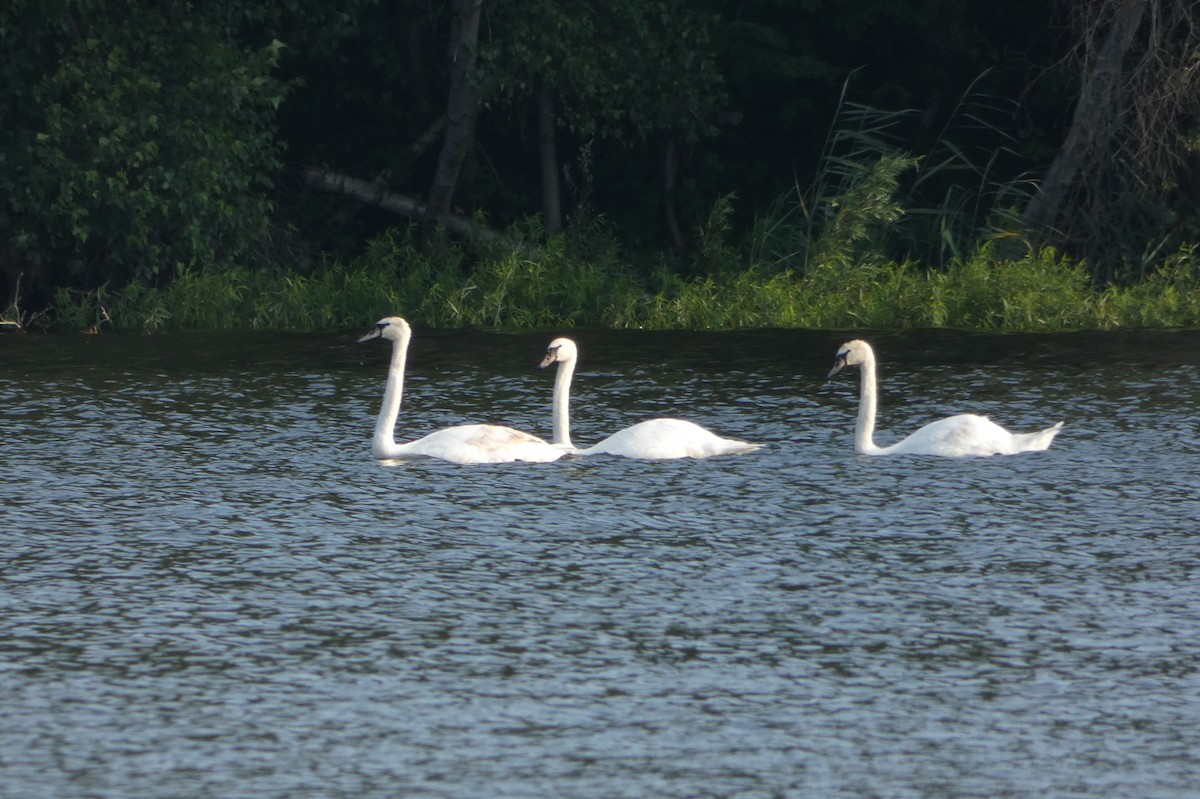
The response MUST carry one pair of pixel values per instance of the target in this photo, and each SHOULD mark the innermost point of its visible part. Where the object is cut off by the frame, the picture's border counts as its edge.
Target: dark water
(209, 589)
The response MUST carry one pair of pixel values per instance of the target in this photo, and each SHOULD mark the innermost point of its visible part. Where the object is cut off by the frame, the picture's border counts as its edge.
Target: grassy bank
(562, 288)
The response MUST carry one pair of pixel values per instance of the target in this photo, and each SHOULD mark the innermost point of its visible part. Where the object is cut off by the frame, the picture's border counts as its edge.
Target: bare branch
(380, 196)
(1127, 146)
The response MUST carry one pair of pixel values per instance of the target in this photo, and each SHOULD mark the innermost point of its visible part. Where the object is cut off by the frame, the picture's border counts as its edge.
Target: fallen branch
(382, 197)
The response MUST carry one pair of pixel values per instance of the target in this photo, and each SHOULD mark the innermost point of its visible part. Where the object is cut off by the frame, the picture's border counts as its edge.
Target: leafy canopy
(139, 139)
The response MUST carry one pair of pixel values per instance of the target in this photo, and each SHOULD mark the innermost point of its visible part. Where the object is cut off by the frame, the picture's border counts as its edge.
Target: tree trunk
(427, 139)
(460, 112)
(670, 172)
(1093, 125)
(548, 150)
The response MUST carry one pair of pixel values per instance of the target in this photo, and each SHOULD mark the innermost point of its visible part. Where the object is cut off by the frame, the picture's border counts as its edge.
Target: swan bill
(551, 357)
(561, 350)
(374, 333)
(839, 363)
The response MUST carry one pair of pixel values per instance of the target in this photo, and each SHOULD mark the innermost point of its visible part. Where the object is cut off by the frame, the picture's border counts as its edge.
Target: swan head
(852, 353)
(390, 327)
(561, 350)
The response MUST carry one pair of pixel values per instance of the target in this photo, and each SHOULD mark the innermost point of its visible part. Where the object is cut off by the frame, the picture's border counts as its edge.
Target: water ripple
(209, 589)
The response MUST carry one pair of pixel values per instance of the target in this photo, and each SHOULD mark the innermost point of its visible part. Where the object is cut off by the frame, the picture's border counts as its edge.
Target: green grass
(510, 290)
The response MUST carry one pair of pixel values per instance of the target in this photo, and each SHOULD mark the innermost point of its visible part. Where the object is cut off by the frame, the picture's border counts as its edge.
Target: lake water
(208, 588)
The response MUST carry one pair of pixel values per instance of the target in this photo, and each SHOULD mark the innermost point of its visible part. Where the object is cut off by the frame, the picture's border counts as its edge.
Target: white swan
(956, 436)
(657, 439)
(468, 443)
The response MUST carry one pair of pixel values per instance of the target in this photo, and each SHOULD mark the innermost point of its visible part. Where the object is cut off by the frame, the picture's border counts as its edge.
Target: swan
(657, 439)
(468, 443)
(956, 436)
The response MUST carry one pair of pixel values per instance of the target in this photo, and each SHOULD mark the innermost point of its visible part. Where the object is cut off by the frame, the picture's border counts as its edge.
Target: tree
(623, 71)
(137, 142)
(1128, 141)
(459, 134)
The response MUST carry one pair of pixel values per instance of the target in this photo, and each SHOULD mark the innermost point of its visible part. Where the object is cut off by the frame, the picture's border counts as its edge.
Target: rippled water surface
(208, 588)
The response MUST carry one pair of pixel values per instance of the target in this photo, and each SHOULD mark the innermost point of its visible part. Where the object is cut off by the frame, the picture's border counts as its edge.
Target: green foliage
(75, 309)
(1168, 298)
(512, 289)
(1039, 292)
(623, 69)
(858, 217)
(142, 145)
(570, 281)
(505, 289)
(1042, 291)
(715, 253)
(871, 201)
(520, 292)
(847, 210)
(831, 228)
(958, 192)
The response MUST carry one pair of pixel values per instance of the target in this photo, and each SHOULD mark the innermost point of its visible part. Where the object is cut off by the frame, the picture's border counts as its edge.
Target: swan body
(957, 436)
(657, 439)
(468, 443)
(662, 439)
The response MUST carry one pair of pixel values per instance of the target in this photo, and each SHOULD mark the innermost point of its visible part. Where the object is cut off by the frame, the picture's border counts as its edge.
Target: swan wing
(956, 436)
(968, 435)
(663, 439)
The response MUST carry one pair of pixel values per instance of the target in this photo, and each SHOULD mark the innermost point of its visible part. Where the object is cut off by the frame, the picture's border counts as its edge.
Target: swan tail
(1033, 442)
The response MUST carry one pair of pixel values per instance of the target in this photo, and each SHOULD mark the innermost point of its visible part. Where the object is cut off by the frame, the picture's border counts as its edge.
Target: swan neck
(385, 425)
(864, 428)
(562, 401)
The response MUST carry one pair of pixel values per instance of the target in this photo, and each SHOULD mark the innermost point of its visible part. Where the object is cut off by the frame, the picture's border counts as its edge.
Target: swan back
(970, 435)
(955, 436)
(662, 439)
(477, 443)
